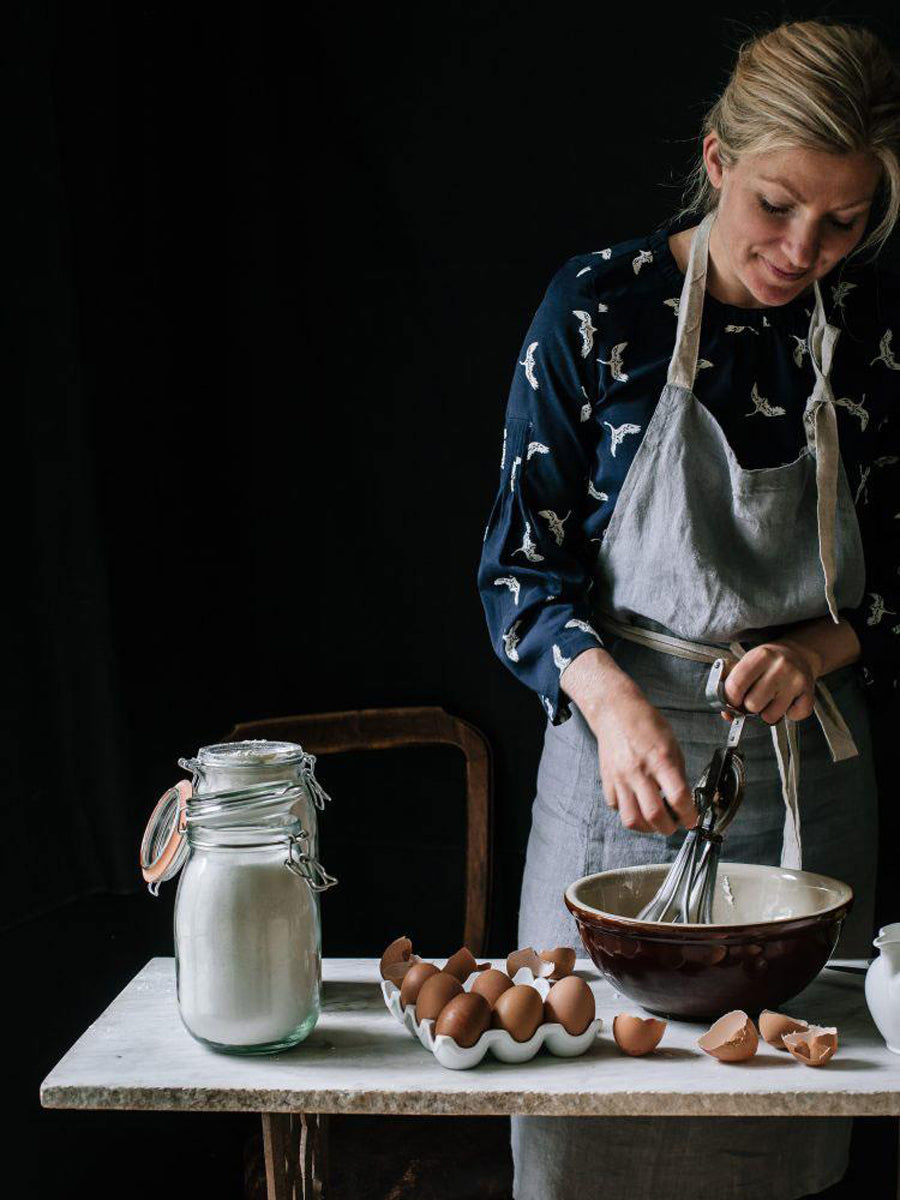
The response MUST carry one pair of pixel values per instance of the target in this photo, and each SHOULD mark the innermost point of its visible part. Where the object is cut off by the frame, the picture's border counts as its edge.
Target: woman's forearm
(825, 644)
(592, 679)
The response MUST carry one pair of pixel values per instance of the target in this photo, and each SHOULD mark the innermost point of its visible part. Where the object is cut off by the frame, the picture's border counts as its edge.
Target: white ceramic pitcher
(883, 985)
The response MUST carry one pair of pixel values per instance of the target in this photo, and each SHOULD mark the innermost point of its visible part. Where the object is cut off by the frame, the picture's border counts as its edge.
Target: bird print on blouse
(511, 640)
(579, 426)
(513, 585)
(556, 524)
(839, 294)
(584, 626)
(642, 257)
(559, 659)
(862, 491)
(885, 354)
(528, 363)
(762, 405)
(800, 349)
(614, 362)
(517, 462)
(741, 329)
(619, 432)
(855, 407)
(586, 329)
(878, 609)
(528, 547)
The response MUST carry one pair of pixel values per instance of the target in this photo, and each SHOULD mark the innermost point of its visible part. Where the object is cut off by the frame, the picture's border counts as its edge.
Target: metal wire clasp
(307, 867)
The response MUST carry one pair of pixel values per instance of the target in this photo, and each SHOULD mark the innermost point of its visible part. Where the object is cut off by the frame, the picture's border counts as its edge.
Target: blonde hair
(816, 84)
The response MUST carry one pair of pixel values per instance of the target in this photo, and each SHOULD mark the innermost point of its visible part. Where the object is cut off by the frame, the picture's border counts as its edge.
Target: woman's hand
(637, 751)
(639, 758)
(774, 680)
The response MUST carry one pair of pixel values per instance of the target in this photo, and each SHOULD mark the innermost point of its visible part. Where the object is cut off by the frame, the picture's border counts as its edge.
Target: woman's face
(797, 211)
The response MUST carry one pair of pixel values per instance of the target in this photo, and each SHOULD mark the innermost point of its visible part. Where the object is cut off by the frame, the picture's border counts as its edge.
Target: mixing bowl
(774, 930)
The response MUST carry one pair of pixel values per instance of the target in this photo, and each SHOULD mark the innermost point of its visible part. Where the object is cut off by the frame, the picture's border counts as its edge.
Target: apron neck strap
(683, 364)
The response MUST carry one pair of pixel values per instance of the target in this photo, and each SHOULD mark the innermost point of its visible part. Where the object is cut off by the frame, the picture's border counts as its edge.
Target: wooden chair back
(395, 728)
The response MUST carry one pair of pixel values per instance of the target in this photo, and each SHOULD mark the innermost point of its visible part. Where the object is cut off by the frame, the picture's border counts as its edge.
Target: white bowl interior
(746, 893)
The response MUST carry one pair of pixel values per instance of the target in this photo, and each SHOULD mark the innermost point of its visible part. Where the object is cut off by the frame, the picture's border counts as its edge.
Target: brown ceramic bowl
(775, 931)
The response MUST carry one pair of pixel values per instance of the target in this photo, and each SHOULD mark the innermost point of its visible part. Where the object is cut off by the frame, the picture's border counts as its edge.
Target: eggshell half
(397, 959)
(491, 984)
(733, 1038)
(813, 1046)
(435, 992)
(571, 1003)
(528, 957)
(563, 960)
(462, 964)
(464, 1019)
(519, 1010)
(413, 980)
(773, 1026)
(637, 1035)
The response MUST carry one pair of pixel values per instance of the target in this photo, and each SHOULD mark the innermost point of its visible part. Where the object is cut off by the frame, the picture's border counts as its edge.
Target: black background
(267, 279)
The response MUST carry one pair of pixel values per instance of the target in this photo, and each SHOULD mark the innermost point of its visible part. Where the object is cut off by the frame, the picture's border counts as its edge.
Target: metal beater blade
(686, 894)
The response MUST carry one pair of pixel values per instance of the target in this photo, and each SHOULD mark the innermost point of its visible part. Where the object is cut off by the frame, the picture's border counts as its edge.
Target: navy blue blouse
(586, 382)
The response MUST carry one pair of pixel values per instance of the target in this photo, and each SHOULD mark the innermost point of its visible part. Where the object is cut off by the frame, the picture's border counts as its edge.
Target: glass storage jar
(247, 927)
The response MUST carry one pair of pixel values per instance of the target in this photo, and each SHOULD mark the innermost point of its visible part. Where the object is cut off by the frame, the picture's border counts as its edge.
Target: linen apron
(703, 558)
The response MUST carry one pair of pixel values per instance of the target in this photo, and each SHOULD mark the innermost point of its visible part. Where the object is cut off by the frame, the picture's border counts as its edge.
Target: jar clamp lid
(254, 812)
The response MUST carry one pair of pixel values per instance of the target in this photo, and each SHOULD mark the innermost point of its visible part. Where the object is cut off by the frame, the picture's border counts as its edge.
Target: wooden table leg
(295, 1146)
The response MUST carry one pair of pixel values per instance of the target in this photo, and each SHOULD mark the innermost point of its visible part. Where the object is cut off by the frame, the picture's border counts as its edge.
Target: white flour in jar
(248, 947)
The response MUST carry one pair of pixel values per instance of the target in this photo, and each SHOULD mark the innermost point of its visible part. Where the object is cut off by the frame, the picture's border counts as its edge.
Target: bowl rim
(633, 925)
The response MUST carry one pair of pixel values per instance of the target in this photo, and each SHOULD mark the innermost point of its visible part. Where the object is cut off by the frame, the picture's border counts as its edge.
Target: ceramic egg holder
(500, 1043)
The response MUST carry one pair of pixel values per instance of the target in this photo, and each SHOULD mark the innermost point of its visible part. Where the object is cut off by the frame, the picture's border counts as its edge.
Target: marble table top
(358, 1059)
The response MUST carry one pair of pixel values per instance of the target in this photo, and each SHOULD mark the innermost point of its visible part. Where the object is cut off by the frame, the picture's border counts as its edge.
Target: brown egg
(491, 984)
(437, 990)
(413, 980)
(464, 1019)
(571, 1003)
(813, 1046)
(637, 1035)
(519, 1010)
(773, 1026)
(732, 1038)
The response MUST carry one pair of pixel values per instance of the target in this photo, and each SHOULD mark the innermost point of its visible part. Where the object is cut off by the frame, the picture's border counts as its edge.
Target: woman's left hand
(773, 680)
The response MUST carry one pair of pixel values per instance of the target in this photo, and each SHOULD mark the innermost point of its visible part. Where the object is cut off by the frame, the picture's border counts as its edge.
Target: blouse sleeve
(535, 571)
(876, 621)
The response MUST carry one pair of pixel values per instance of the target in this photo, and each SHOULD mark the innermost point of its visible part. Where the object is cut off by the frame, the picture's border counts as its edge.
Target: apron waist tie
(784, 732)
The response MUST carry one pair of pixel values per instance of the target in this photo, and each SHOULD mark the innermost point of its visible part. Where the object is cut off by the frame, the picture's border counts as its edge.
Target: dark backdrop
(267, 277)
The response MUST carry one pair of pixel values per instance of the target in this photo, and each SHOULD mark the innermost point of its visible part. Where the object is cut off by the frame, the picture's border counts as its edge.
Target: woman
(701, 450)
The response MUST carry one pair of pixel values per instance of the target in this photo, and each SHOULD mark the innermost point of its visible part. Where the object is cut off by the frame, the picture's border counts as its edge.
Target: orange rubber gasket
(156, 869)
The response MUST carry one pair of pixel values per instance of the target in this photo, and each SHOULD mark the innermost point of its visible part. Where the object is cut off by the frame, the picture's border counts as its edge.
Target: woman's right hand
(638, 753)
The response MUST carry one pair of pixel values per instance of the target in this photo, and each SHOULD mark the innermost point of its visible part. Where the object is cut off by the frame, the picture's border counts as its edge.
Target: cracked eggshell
(413, 980)
(570, 1003)
(462, 964)
(491, 984)
(773, 1026)
(519, 1010)
(733, 1038)
(637, 1035)
(397, 959)
(464, 1018)
(813, 1046)
(563, 960)
(435, 992)
(528, 957)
